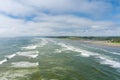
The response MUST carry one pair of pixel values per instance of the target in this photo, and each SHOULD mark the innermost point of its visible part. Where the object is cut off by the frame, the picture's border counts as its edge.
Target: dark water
(57, 59)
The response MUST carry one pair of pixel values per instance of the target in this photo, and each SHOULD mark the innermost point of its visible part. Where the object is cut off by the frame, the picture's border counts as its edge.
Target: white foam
(53, 41)
(10, 56)
(24, 64)
(9, 76)
(3, 61)
(108, 61)
(81, 51)
(43, 43)
(58, 50)
(103, 59)
(109, 51)
(14, 74)
(30, 54)
(7, 57)
(30, 47)
(116, 53)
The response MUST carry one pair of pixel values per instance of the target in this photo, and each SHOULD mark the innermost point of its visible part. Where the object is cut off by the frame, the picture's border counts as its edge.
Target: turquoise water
(37, 58)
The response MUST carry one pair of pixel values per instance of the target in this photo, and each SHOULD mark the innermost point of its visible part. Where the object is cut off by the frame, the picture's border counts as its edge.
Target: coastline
(104, 43)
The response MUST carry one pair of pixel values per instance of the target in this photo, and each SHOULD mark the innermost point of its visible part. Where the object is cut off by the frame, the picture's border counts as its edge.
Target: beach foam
(30, 47)
(10, 56)
(33, 47)
(9, 76)
(109, 51)
(58, 50)
(81, 51)
(102, 58)
(3, 61)
(116, 53)
(53, 41)
(108, 61)
(43, 43)
(7, 57)
(15, 74)
(30, 54)
(24, 64)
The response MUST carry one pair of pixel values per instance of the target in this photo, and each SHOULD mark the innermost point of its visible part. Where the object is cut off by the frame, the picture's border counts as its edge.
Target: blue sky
(59, 18)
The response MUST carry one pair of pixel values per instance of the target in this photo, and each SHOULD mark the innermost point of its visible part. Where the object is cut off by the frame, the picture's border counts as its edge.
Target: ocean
(35, 58)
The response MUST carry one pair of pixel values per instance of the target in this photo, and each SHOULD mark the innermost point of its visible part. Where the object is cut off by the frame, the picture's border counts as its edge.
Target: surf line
(29, 54)
(7, 58)
(34, 46)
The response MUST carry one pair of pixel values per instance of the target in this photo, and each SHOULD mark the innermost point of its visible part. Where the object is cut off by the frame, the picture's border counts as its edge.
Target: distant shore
(109, 41)
(101, 43)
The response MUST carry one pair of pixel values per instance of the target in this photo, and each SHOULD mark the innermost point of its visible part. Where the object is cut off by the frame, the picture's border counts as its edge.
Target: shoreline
(104, 43)
(98, 42)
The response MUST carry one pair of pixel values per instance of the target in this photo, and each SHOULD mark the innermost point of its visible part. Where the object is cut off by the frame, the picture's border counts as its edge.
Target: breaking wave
(15, 74)
(71, 48)
(29, 54)
(116, 53)
(24, 64)
(103, 59)
(10, 56)
(108, 61)
(34, 46)
(43, 43)
(3, 61)
(7, 58)
(30, 47)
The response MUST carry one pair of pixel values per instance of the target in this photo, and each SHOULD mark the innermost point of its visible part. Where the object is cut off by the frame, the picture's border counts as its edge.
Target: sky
(59, 18)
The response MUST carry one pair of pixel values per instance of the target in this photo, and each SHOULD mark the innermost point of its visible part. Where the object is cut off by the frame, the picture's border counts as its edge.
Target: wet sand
(101, 43)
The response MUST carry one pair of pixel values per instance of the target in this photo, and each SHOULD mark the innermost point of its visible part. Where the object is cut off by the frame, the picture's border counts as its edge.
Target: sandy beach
(101, 43)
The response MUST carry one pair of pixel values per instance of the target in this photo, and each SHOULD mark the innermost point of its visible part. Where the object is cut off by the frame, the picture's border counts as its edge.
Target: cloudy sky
(59, 18)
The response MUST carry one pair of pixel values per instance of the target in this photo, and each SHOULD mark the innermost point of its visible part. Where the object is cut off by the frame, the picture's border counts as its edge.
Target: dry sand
(101, 43)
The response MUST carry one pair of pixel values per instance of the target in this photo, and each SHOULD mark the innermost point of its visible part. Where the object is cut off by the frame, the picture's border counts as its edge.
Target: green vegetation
(109, 39)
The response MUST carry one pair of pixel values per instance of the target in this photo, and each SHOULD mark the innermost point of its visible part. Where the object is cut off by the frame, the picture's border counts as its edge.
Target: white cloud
(27, 7)
(14, 8)
(60, 21)
(44, 26)
(95, 7)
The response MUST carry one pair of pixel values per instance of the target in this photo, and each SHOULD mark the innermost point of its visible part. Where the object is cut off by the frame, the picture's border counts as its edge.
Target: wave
(30, 47)
(9, 75)
(53, 41)
(24, 64)
(30, 54)
(108, 61)
(7, 57)
(43, 43)
(102, 58)
(15, 74)
(116, 53)
(10, 56)
(109, 51)
(58, 50)
(71, 48)
(34, 46)
(3, 61)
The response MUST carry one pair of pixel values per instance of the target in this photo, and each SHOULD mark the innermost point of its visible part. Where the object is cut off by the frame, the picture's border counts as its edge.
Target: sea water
(34, 58)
